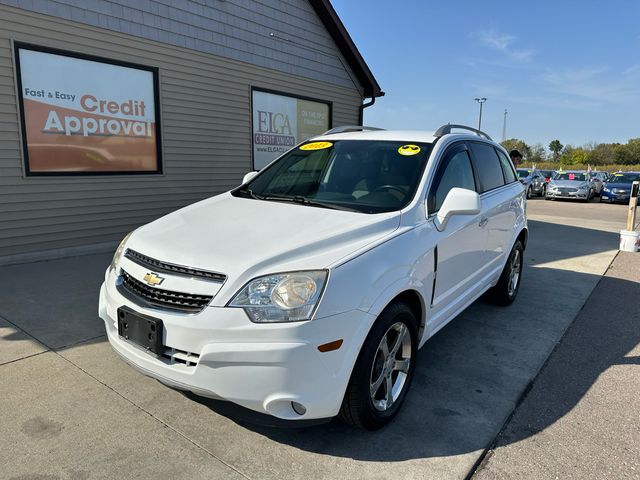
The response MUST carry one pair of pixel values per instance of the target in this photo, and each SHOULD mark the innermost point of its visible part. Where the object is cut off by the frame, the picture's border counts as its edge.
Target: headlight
(281, 297)
(115, 262)
(605, 189)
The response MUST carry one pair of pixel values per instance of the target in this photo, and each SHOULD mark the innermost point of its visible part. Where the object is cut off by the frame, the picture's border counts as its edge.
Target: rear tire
(506, 290)
(380, 381)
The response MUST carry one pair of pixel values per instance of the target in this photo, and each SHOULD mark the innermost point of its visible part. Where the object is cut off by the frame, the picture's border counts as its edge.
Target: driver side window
(454, 171)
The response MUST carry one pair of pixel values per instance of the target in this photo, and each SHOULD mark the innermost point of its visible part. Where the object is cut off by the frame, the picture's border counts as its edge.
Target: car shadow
(601, 337)
(470, 377)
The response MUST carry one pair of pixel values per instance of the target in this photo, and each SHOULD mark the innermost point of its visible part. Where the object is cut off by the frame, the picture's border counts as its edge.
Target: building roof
(347, 47)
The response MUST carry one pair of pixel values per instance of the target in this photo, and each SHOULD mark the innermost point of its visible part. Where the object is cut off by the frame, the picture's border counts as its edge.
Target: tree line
(591, 153)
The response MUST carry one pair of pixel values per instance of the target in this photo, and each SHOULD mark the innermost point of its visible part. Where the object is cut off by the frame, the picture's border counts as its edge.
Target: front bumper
(263, 367)
(615, 197)
(579, 195)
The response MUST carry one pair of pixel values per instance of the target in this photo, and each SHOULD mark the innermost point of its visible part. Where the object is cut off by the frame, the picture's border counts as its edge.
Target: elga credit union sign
(87, 116)
(282, 121)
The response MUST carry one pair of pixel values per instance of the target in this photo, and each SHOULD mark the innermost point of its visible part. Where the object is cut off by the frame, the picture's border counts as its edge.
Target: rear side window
(507, 167)
(488, 166)
(454, 171)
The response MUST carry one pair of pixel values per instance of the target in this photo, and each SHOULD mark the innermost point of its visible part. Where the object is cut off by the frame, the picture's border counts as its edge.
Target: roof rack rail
(445, 129)
(350, 128)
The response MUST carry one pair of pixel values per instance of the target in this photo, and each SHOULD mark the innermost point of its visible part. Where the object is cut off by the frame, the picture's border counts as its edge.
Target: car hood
(624, 186)
(238, 236)
(569, 183)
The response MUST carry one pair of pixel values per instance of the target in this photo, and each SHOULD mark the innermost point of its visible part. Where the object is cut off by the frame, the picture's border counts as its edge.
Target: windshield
(546, 173)
(523, 173)
(577, 176)
(367, 176)
(624, 178)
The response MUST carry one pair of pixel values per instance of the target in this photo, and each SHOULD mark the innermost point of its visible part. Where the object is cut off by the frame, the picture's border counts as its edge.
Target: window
(454, 171)
(87, 115)
(280, 121)
(488, 166)
(507, 167)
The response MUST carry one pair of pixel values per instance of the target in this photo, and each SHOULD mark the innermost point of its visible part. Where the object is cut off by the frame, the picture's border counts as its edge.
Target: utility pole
(480, 101)
(504, 126)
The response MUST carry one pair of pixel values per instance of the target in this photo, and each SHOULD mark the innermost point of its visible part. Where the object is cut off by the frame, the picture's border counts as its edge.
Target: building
(117, 112)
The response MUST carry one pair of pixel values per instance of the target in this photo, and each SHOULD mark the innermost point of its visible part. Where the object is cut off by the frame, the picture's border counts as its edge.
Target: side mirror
(248, 177)
(459, 201)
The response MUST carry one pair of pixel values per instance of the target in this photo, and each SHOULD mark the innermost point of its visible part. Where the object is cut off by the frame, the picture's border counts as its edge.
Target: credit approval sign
(282, 121)
(86, 116)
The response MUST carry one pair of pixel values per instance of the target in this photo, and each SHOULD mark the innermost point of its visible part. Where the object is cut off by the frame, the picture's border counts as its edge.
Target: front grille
(159, 266)
(567, 190)
(172, 356)
(146, 296)
(620, 190)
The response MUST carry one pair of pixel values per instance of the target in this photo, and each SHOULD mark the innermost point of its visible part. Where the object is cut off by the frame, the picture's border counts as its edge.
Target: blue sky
(565, 69)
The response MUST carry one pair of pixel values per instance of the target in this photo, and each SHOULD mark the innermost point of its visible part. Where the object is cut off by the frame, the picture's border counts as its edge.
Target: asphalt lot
(72, 410)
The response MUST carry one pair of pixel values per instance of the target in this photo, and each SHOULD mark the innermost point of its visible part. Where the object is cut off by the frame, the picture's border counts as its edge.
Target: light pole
(504, 126)
(480, 101)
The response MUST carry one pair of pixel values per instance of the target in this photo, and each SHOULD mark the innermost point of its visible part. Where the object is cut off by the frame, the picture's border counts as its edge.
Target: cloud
(631, 69)
(522, 55)
(495, 40)
(503, 42)
(594, 84)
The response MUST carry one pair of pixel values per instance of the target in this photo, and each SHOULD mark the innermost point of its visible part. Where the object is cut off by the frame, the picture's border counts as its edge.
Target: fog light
(298, 408)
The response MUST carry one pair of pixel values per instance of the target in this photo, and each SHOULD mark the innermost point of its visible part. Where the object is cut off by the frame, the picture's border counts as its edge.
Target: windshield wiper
(307, 201)
(247, 192)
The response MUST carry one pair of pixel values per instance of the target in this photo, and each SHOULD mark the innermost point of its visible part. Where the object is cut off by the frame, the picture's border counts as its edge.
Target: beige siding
(205, 119)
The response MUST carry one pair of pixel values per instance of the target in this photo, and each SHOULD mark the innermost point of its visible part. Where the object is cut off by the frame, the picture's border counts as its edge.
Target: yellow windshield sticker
(316, 146)
(618, 175)
(408, 150)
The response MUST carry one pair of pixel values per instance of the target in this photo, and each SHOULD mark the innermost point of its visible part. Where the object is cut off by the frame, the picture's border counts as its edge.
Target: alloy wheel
(514, 274)
(390, 367)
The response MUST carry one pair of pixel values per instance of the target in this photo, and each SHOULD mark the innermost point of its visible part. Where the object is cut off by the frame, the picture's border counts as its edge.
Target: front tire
(528, 193)
(543, 191)
(506, 290)
(383, 371)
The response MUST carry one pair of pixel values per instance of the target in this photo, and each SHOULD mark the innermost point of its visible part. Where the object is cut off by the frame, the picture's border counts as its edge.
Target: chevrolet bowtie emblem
(153, 279)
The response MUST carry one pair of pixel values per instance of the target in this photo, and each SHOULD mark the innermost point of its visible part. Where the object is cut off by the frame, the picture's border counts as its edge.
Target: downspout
(362, 107)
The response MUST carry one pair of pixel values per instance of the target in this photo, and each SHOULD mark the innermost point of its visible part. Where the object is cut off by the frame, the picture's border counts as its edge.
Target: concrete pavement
(60, 374)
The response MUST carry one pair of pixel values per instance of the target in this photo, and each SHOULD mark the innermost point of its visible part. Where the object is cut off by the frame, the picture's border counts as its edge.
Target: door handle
(483, 222)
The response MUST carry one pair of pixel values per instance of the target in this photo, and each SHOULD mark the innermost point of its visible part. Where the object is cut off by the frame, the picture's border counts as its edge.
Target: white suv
(306, 292)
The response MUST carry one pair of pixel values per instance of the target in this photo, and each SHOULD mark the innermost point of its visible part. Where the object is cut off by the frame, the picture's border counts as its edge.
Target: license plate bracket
(141, 330)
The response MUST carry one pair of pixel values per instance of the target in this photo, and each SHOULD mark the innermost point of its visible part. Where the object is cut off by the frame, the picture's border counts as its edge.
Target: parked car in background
(547, 174)
(618, 187)
(534, 182)
(598, 179)
(573, 184)
(306, 292)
